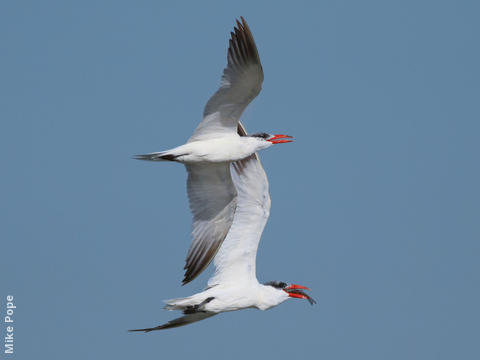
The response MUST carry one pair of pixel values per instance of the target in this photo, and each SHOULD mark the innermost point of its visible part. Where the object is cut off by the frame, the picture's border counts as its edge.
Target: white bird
(234, 285)
(214, 145)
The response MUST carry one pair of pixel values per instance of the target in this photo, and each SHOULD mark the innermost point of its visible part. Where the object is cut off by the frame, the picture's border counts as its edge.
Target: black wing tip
(160, 327)
(243, 27)
(190, 274)
(242, 22)
(142, 330)
(195, 264)
(242, 48)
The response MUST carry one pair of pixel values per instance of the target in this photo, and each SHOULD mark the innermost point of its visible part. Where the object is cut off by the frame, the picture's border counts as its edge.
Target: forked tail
(192, 313)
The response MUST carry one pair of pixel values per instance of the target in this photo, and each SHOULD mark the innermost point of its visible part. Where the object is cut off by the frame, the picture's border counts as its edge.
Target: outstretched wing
(181, 321)
(236, 258)
(241, 82)
(213, 201)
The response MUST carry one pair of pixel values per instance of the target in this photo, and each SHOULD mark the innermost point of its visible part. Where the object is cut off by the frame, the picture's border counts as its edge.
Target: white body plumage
(227, 148)
(228, 193)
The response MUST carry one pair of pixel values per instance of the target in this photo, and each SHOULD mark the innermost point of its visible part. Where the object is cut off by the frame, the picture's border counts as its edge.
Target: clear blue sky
(375, 206)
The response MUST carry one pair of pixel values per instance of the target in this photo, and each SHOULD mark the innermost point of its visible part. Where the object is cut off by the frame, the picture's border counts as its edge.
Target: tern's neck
(255, 143)
(270, 297)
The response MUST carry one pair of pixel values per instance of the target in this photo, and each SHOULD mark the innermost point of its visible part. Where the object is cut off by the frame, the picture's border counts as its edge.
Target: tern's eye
(261, 135)
(277, 284)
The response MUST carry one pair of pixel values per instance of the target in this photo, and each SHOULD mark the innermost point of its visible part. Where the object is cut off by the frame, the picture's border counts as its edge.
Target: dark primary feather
(204, 249)
(242, 50)
(241, 83)
(181, 321)
(213, 200)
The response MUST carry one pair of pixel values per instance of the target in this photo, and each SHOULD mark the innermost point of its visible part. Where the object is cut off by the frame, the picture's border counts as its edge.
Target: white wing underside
(236, 259)
(230, 205)
(211, 192)
(213, 200)
(241, 82)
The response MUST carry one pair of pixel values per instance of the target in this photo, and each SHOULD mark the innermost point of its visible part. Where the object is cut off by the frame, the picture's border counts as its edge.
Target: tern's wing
(181, 321)
(213, 201)
(235, 260)
(241, 82)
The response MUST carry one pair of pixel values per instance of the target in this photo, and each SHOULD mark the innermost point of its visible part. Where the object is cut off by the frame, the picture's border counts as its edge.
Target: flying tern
(214, 145)
(234, 285)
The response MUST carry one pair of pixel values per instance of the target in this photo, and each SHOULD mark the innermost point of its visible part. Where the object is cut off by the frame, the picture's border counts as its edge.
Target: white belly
(225, 149)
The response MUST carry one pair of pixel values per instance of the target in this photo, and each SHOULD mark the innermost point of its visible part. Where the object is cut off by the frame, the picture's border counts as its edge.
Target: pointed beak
(295, 291)
(296, 287)
(274, 139)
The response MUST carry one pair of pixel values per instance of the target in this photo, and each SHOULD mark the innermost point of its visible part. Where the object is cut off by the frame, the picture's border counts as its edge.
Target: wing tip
(242, 47)
(199, 260)
(143, 330)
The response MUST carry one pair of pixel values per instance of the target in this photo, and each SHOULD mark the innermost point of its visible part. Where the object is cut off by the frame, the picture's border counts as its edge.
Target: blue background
(375, 206)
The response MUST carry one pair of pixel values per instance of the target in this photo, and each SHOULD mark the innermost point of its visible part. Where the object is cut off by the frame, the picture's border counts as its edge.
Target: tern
(214, 145)
(234, 285)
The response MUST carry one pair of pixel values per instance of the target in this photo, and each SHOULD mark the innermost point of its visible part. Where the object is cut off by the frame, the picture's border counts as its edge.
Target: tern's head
(273, 139)
(293, 290)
